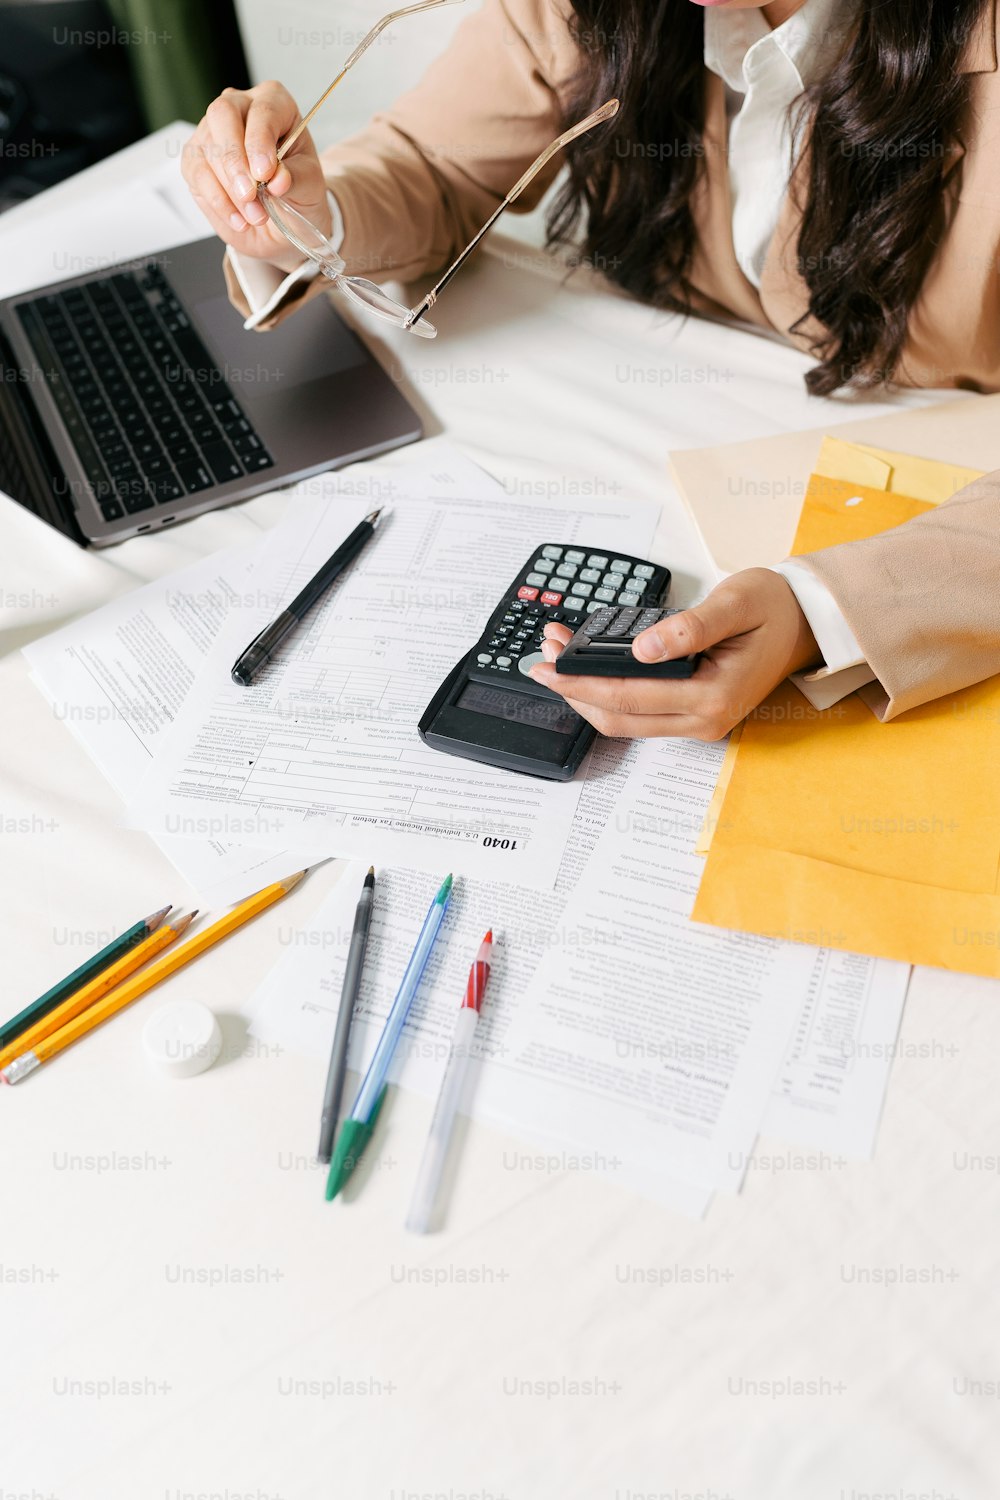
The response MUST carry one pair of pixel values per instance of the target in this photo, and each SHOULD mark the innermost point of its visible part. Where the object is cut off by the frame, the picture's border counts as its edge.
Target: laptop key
(166, 488)
(111, 510)
(222, 461)
(136, 499)
(194, 476)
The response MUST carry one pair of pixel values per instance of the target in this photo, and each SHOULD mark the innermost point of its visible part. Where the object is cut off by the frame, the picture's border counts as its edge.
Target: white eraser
(182, 1039)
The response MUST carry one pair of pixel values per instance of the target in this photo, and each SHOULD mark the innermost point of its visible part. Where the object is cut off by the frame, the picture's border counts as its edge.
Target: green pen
(79, 977)
(356, 1130)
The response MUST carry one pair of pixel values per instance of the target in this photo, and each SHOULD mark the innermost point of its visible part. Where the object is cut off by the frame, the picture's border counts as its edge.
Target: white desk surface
(172, 1238)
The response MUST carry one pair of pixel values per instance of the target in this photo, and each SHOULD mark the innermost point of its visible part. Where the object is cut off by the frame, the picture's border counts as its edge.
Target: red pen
(452, 1088)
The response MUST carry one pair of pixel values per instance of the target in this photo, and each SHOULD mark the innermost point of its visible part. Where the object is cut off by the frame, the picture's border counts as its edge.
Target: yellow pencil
(138, 985)
(97, 988)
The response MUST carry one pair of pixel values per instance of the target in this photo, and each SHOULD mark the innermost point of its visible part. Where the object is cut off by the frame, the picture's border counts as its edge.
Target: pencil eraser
(182, 1039)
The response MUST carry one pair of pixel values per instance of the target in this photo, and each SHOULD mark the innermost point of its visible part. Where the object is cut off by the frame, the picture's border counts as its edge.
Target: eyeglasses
(309, 241)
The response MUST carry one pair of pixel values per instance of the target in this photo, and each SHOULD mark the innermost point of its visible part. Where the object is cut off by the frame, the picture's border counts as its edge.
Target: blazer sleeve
(923, 599)
(420, 180)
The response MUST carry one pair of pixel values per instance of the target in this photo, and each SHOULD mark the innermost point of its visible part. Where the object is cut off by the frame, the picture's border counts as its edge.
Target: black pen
(263, 646)
(348, 997)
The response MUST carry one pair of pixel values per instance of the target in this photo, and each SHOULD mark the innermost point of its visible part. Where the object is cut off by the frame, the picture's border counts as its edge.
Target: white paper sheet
(322, 751)
(831, 1086)
(649, 1030)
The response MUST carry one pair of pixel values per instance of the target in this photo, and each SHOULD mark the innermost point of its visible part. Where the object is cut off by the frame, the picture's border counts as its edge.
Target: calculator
(602, 646)
(488, 708)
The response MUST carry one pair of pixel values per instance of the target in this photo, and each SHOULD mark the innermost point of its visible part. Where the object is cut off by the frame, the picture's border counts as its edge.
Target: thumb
(691, 630)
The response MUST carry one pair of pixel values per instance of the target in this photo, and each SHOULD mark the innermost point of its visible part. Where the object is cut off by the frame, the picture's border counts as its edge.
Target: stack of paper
(615, 1026)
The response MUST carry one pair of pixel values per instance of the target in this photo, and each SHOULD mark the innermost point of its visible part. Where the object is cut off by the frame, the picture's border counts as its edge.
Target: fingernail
(237, 221)
(260, 166)
(648, 648)
(244, 186)
(548, 651)
(255, 213)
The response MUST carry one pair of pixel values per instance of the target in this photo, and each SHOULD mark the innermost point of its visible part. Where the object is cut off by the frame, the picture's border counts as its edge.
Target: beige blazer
(421, 179)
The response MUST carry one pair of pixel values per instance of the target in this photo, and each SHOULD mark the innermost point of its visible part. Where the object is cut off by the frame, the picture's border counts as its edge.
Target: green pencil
(79, 977)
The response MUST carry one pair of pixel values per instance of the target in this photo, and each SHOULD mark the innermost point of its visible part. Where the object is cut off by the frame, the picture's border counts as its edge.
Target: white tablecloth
(183, 1314)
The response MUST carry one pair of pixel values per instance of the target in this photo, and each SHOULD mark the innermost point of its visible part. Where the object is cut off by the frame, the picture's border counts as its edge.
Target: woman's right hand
(234, 148)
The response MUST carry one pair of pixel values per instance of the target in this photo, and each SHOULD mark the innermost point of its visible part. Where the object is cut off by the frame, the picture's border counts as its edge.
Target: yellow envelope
(883, 469)
(840, 830)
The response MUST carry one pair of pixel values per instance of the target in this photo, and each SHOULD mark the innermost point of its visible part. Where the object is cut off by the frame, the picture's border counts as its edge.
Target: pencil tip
(153, 921)
(292, 880)
(371, 871)
(489, 936)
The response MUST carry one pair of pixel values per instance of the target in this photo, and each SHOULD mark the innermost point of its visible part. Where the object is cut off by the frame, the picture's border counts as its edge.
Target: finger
(226, 118)
(722, 615)
(271, 116)
(643, 726)
(551, 650)
(625, 695)
(214, 203)
(560, 633)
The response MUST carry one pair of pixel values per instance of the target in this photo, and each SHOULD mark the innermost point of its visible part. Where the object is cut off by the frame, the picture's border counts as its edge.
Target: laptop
(132, 398)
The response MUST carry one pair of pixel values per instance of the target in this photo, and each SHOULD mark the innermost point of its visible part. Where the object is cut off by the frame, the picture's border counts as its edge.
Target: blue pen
(359, 1124)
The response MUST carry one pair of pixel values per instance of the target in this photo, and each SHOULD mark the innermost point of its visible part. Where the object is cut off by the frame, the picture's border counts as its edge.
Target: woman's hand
(751, 633)
(234, 148)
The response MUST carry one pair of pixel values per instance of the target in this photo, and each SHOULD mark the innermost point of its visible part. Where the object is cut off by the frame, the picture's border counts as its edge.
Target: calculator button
(567, 570)
(647, 618)
(595, 560)
(557, 583)
(638, 585)
(535, 578)
(550, 597)
(582, 588)
(484, 658)
(643, 570)
(623, 624)
(599, 620)
(594, 606)
(590, 575)
(552, 552)
(525, 593)
(619, 565)
(576, 557)
(607, 596)
(628, 598)
(527, 662)
(503, 661)
(614, 580)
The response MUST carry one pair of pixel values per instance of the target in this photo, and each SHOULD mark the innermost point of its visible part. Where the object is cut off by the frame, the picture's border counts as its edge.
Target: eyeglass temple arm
(606, 112)
(362, 47)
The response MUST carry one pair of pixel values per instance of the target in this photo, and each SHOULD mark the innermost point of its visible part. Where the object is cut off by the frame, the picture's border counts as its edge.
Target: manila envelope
(839, 830)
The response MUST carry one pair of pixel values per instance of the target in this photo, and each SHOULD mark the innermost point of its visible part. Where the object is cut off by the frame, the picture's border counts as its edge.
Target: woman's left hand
(751, 634)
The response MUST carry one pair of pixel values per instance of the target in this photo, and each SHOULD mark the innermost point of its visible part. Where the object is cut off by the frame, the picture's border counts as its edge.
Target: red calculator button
(526, 593)
(550, 598)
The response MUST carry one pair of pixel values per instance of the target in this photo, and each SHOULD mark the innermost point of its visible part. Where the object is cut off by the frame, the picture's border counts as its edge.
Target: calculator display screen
(519, 708)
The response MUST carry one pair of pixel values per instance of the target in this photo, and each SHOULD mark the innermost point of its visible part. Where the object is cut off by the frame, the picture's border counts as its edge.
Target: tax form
(829, 1091)
(322, 753)
(117, 678)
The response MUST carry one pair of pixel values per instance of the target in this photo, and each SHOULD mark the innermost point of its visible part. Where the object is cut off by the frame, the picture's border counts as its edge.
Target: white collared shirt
(765, 71)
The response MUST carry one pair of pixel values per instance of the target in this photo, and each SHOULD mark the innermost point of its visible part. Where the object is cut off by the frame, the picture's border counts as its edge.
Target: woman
(827, 168)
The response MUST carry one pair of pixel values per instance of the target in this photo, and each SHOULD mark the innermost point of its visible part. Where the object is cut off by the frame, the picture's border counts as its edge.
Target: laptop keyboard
(147, 409)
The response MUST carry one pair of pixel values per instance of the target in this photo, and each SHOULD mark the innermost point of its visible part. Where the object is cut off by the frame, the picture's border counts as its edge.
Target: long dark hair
(880, 129)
